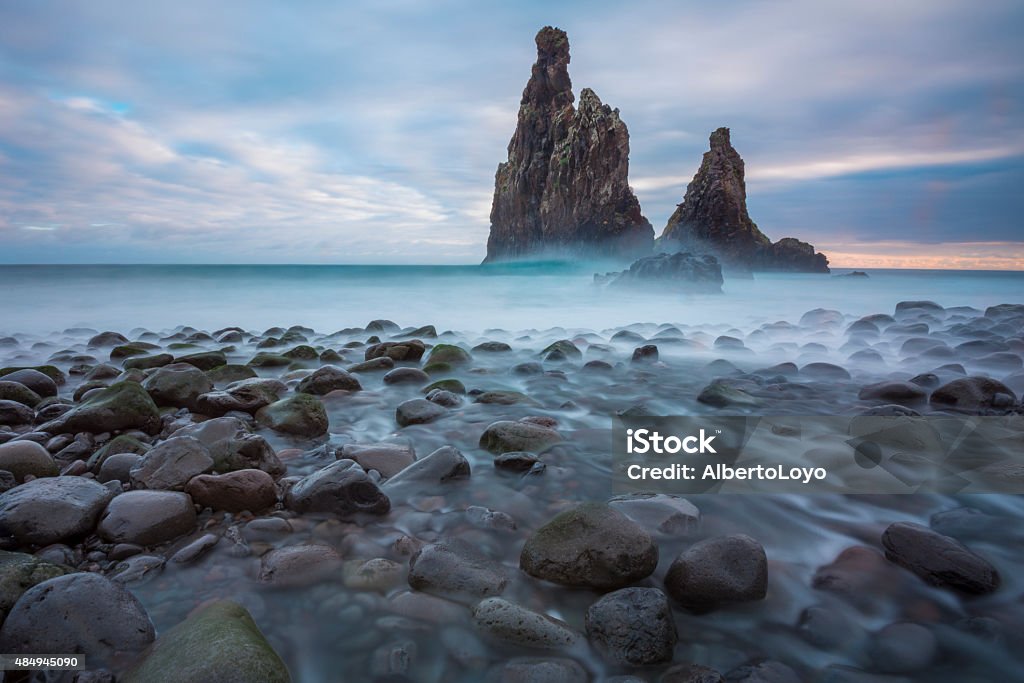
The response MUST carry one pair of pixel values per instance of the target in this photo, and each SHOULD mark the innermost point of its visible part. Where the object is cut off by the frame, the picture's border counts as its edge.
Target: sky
(888, 134)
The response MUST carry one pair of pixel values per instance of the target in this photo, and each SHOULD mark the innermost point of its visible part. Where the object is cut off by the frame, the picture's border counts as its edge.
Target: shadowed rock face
(564, 187)
(713, 217)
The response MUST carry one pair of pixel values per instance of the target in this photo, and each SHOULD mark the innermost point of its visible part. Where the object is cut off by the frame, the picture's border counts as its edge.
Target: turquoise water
(43, 299)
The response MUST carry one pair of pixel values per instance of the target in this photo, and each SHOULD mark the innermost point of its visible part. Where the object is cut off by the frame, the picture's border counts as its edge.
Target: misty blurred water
(44, 299)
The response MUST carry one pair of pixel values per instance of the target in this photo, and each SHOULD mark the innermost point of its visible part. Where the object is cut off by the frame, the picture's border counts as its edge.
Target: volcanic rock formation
(564, 188)
(713, 218)
(680, 271)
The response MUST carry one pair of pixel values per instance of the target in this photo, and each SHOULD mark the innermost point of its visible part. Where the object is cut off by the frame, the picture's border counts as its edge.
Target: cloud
(365, 131)
(947, 255)
(817, 169)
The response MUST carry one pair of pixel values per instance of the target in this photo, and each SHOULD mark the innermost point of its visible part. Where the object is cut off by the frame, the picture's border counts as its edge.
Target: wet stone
(539, 670)
(633, 626)
(342, 488)
(301, 415)
(590, 546)
(516, 461)
(406, 376)
(233, 447)
(971, 394)
(894, 392)
(718, 571)
(19, 572)
(508, 622)
(171, 464)
(418, 411)
(26, 458)
(446, 464)
(82, 613)
(328, 378)
(939, 560)
(455, 568)
(118, 467)
(147, 517)
(208, 646)
(297, 565)
(506, 436)
(52, 509)
(252, 490)
(444, 398)
(387, 458)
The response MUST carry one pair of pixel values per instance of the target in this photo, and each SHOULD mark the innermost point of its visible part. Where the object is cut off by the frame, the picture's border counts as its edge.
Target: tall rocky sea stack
(713, 218)
(564, 188)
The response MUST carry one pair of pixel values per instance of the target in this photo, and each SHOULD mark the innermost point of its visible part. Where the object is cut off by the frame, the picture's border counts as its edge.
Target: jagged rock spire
(564, 188)
(713, 218)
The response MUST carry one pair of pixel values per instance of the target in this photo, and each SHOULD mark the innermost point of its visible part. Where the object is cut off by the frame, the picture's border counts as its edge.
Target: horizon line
(476, 264)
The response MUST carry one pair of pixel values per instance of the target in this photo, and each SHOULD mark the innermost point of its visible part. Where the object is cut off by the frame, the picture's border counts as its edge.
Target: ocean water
(329, 627)
(38, 300)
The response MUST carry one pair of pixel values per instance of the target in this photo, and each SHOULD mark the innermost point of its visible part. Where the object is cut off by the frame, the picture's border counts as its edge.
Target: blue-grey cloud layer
(370, 131)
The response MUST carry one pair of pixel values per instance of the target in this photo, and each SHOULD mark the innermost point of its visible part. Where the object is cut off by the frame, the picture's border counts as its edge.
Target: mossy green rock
(504, 398)
(14, 391)
(132, 349)
(452, 385)
(449, 353)
(437, 368)
(19, 572)
(50, 371)
(298, 415)
(219, 642)
(148, 362)
(721, 394)
(124, 405)
(330, 356)
(302, 353)
(506, 436)
(226, 374)
(564, 347)
(492, 347)
(269, 360)
(119, 444)
(207, 360)
(590, 546)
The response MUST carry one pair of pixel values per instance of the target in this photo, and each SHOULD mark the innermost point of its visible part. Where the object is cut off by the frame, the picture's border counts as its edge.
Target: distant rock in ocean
(713, 218)
(682, 271)
(564, 189)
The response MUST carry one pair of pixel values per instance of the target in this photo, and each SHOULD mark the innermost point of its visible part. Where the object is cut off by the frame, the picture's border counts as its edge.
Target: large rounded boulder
(300, 415)
(218, 642)
(178, 385)
(81, 613)
(590, 546)
(22, 458)
(147, 517)
(121, 406)
(342, 488)
(52, 509)
(719, 571)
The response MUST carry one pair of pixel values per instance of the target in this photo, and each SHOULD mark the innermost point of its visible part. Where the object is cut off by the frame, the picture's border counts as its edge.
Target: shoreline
(393, 500)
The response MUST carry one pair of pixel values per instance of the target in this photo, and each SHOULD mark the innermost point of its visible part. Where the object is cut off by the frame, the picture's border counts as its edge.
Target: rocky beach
(422, 504)
(306, 376)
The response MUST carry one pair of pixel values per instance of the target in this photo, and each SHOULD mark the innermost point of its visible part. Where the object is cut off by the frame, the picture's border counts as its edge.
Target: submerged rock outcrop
(682, 271)
(713, 218)
(564, 188)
